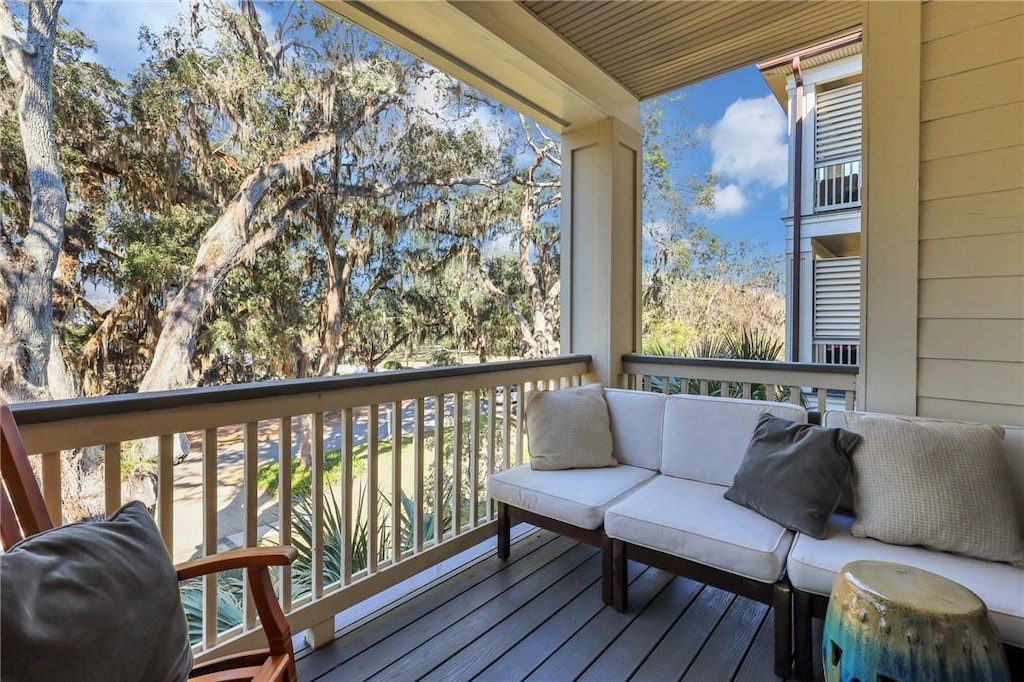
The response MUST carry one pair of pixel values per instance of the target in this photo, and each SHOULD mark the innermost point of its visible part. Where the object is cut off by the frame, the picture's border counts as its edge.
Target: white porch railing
(396, 481)
(836, 352)
(817, 387)
(837, 185)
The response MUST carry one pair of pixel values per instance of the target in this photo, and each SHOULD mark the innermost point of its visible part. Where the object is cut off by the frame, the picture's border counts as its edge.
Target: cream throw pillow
(569, 429)
(942, 484)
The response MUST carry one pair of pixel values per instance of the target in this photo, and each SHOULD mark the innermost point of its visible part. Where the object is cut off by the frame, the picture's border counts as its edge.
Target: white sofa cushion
(692, 520)
(637, 418)
(575, 496)
(814, 564)
(705, 438)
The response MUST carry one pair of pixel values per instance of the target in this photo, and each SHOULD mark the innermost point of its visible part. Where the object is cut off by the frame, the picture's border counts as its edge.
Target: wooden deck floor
(540, 617)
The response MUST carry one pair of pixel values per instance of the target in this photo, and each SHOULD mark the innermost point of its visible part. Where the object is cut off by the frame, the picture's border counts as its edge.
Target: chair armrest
(254, 557)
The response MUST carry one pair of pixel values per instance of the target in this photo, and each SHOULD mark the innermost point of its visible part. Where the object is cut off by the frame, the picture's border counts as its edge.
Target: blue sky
(745, 145)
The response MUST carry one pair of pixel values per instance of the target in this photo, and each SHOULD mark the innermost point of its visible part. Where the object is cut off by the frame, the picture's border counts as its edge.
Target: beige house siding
(971, 250)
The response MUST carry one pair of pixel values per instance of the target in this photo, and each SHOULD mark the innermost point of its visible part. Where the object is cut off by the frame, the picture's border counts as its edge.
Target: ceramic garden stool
(893, 623)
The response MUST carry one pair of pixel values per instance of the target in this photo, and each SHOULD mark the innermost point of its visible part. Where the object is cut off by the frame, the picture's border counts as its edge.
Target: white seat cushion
(692, 520)
(576, 496)
(814, 564)
(636, 418)
(705, 438)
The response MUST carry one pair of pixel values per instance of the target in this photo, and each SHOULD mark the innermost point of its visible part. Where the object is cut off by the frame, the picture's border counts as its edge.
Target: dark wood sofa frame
(614, 578)
(776, 595)
(509, 515)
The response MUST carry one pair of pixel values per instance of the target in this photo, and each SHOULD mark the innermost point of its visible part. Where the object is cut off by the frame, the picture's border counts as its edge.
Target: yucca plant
(230, 599)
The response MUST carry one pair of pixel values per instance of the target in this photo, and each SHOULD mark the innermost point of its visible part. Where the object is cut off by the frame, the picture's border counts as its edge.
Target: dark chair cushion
(793, 473)
(93, 601)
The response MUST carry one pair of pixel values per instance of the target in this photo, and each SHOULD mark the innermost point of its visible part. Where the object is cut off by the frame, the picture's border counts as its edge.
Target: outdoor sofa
(664, 506)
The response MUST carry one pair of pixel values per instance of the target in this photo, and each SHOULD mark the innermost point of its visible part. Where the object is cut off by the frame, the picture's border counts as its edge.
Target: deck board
(456, 622)
(533, 649)
(579, 651)
(723, 651)
(676, 651)
(539, 616)
(499, 637)
(621, 659)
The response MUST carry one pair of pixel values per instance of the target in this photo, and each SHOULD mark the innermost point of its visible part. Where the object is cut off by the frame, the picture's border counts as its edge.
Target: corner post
(890, 219)
(601, 243)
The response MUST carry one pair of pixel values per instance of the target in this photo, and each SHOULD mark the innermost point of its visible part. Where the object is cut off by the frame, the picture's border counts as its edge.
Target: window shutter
(837, 298)
(837, 123)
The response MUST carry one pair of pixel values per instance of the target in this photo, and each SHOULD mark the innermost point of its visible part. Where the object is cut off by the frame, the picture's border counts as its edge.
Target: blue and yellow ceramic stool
(893, 623)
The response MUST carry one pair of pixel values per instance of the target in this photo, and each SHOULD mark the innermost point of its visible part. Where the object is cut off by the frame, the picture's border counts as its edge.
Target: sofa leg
(620, 578)
(782, 602)
(802, 615)
(607, 593)
(504, 531)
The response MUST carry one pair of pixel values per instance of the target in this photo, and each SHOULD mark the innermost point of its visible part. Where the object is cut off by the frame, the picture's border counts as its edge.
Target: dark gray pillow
(93, 601)
(793, 473)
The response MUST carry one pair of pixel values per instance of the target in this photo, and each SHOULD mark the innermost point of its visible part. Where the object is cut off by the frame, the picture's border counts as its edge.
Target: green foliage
(746, 345)
(230, 587)
(230, 603)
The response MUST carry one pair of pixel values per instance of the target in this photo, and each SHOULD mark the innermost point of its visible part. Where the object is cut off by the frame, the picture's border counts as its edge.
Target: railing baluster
(747, 391)
(822, 400)
(850, 395)
(703, 386)
(111, 477)
(210, 534)
(666, 385)
(251, 447)
(347, 501)
(51, 466)
(284, 506)
(439, 475)
(165, 489)
(396, 483)
(520, 418)
(417, 526)
(457, 464)
(372, 475)
(317, 489)
(506, 426)
(474, 460)
(492, 415)
(794, 395)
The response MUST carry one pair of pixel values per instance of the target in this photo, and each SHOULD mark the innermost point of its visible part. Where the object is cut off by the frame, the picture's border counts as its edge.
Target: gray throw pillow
(938, 483)
(569, 429)
(793, 473)
(93, 601)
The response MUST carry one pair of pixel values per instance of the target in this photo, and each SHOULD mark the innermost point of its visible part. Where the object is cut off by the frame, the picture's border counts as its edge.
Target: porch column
(889, 227)
(601, 244)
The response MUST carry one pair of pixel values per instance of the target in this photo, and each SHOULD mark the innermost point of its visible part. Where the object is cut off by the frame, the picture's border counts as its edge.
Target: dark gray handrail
(763, 365)
(53, 410)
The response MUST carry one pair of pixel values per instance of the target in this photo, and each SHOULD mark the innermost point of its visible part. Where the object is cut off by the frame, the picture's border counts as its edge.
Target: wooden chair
(23, 513)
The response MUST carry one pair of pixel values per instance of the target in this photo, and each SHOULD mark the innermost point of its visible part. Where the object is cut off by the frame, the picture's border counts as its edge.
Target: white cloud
(730, 200)
(749, 152)
(114, 25)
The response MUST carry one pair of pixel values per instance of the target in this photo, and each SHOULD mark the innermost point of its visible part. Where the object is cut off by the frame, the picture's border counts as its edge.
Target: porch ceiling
(567, 63)
(654, 47)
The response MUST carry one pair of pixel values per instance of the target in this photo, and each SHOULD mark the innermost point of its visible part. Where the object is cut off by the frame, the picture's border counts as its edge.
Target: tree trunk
(28, 266)
(219, 252)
